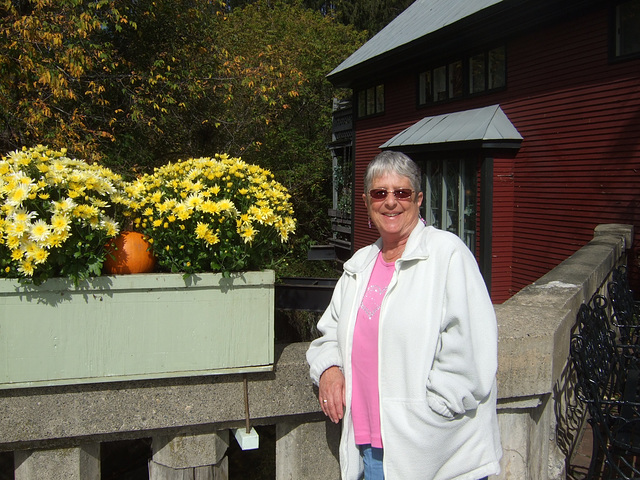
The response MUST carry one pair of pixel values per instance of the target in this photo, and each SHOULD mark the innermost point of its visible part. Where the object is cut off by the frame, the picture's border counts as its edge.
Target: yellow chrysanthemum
(202, 230)
(40, 256)
(212, 238)
(65, 205)
(60, 223)
(226, 205)
(193, 201)
(13, 241)
(40, 231)
(18, 195)
(247, 234)
(26, 268)
(182, 211)
(209, 207)
(22, 216)
(109, 226)
(57, 239)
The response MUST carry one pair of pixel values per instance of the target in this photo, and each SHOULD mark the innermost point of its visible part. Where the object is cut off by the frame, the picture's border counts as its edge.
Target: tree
(134, 84)
(300, 46)
(365, 15)
(53, 58)
(369, 15)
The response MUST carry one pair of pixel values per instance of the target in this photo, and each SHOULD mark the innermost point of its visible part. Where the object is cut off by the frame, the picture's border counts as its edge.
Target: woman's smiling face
(394, 217)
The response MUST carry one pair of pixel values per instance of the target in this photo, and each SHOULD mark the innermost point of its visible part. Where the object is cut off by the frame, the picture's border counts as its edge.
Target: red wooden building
(524, 116)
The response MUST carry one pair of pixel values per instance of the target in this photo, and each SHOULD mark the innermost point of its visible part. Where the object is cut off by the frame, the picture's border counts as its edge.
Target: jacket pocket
(420, 443)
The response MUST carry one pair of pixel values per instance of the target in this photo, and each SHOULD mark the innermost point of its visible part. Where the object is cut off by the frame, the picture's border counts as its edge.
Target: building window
(441, 83)
(481, 72)
(450, 198)
(456, 79)
(496, 71)
(627, 29)
(371, 101)
(477, 73)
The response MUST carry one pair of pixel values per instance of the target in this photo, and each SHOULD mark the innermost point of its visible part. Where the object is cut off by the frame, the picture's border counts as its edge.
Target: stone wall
(55, 432)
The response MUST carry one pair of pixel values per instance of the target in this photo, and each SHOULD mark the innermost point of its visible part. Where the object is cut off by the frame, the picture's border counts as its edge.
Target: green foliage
(293, 141)
(369, 15)
(364, 15)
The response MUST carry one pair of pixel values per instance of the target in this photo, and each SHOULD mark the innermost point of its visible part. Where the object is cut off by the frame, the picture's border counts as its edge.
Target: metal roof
(421, 18)
(487, 124)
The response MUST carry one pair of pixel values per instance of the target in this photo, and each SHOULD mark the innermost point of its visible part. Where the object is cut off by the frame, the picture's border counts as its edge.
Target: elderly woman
(408, 352)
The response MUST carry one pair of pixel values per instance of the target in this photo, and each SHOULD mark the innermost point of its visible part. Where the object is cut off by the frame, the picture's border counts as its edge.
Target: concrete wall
(54, 431)
(540, 419)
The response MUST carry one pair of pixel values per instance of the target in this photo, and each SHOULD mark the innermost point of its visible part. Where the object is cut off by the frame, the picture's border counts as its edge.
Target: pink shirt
(365, 404)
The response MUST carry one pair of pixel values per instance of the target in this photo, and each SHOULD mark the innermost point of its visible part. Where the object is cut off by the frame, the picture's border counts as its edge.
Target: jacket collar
(414, 250)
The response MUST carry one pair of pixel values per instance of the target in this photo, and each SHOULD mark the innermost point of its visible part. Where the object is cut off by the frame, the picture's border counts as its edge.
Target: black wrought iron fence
(606, 356)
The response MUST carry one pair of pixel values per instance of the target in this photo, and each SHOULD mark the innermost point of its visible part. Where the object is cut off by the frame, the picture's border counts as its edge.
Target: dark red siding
(373, 132)
(502, 229)
(579, 164)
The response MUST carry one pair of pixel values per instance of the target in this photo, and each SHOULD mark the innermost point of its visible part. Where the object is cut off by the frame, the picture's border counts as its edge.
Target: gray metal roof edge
(420, 19)
(497, 121)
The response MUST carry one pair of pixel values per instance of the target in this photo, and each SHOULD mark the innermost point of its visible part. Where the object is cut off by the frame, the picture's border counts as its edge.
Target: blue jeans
(372, 458)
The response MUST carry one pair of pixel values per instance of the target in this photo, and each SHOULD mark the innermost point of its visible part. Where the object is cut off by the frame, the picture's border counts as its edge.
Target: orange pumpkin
(129, 252)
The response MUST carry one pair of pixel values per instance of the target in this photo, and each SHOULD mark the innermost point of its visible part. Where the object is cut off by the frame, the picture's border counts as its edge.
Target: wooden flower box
(131, 327)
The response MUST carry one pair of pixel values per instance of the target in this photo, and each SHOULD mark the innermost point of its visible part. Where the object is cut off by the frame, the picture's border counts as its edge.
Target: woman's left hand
(331, 397)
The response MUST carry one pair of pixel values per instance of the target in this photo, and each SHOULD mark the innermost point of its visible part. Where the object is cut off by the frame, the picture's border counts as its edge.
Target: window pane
(434, 193)
(456, 81)
(477, 73)
(424, 87)
(497, 76)
(371, 101)
(362, 103)
(440, 84)
(380, 98)
(451, 184)
(469, 207)
(628, 28)
(450, 197)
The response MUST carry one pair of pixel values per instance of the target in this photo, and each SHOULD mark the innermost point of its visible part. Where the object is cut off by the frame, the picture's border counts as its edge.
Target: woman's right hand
(332, 393)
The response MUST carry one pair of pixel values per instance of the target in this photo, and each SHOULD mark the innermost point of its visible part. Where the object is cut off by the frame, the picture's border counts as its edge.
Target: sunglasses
(381, 193)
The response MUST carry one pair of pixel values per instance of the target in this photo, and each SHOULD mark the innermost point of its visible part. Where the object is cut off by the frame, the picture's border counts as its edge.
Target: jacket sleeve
(324, 351)
(466, 358)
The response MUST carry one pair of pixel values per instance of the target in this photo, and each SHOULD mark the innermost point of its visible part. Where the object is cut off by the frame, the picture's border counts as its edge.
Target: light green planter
(131, 327)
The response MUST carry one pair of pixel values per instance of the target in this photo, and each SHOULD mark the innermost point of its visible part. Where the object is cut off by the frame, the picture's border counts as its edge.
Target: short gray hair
(392, 162)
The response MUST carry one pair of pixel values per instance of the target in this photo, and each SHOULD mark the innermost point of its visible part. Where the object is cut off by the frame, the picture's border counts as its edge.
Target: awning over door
(486, 127)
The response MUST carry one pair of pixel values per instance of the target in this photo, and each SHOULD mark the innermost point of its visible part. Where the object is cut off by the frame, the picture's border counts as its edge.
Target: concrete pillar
(190, 457)
(74, 463)
(209, 472)
(307, 451)
(526, 435)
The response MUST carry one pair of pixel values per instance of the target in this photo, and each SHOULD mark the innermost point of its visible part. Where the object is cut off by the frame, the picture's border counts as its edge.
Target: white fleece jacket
(437, 361)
